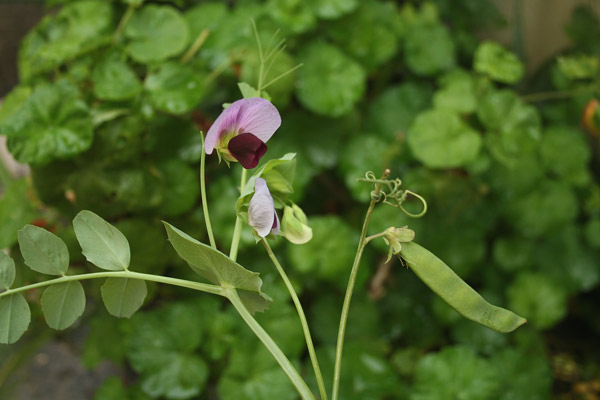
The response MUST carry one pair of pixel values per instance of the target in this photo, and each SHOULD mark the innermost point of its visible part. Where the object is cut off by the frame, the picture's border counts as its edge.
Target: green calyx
(394, 237)
(294, 225)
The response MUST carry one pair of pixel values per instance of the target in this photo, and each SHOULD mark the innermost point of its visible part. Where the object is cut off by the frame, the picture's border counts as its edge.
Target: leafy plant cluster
(112, 97)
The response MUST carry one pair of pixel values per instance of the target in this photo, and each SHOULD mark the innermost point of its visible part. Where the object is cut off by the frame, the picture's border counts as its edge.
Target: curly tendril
(394, 195)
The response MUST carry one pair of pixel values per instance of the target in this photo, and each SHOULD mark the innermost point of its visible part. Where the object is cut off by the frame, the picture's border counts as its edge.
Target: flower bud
(293, 225)
(394, 237)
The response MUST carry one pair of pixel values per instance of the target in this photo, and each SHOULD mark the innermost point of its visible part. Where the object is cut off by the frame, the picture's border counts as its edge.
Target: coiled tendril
(394, 195)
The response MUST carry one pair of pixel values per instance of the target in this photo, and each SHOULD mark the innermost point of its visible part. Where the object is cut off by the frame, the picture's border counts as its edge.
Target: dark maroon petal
(247, 149)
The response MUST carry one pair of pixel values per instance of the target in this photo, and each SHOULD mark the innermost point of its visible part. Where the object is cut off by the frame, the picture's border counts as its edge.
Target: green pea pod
(460, 296)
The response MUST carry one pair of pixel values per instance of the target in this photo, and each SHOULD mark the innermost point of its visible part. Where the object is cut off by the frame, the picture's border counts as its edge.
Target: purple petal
(259, 117)
(261, 210)
(228, 121)
(276, 224)
(247, 149)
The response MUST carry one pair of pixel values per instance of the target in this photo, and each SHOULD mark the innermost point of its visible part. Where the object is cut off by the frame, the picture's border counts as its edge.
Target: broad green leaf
(182, 377)
(205, 16)
(78, 28)
(16, 210)
(363, 153)
(375, 45)
(457, 93)
(62, 304)
(540, 299)
(392, 113)
(296, 15)
(14, 317)
(181, 187)
(103, 245)
(522, 375)
(446, 284)
(123, 296)
(498, 63)
(566, 153)
(218, 268)
(429, 49)
(329, 83)
(578, 67)
(13, 101)
(331, 235)
(163, 344)
(440, 139)
(113, 79)
(175, 88)
(549, 206)
(43, 251)
(332, 9)
(53, 123)
(455, 373)
(156, 33)
(7, 270)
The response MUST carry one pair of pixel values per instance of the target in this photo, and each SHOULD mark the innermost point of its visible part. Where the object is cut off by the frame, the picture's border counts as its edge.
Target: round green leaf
(566, 153)
(542, 301)
(123, 296)
(440, 139)
(53, 123)
(182, 187)
(332, 9)
(454, 373)
(373, 46)
(329, 83)
(498, 63)
(7, 270)
(296, 15)
(392, 113)
(43, 251)
(429, 49)
(156, 33)
(103, 245)
(457, 93)
(114, 80)
(175, 88)
(62, 304)
(14, 317)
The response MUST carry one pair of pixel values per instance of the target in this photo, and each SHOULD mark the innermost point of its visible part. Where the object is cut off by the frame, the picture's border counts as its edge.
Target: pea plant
(239, 135)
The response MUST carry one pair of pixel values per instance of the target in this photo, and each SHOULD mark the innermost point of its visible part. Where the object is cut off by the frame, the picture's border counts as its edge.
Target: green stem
(195, 46)
(203, 287)
(124, 20)
(305, 329)
(271, 346)
(237, 231)
(211, 237)
(350, 288)
(556, 95)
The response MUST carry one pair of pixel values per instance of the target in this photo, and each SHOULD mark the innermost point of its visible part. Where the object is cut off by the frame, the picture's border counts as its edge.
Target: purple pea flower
(262, 216)
(242, 129)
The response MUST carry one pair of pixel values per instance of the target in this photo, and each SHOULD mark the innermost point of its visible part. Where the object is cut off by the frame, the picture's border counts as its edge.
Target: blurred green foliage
(107, 112)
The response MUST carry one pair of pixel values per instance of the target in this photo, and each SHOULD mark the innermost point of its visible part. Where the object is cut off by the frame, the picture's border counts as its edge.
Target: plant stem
(556, 95)
(211, 237)
(350, 288)
(203, 287)
(237, 231)
(195, 46)
(123, 23)
(305, 329)
(275, 351)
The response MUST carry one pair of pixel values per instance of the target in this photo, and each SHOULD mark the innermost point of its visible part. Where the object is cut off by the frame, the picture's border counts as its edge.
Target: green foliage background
(107, 114)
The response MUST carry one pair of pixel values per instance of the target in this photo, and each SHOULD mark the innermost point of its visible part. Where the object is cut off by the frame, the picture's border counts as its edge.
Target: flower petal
(276, 224)
(228, 121)
(261, 210)
(259, 117)
(247, 149)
